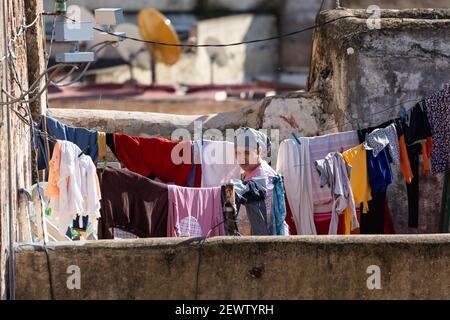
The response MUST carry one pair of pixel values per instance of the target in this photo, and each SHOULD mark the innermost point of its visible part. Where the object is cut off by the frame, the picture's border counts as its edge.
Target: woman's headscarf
(251, 138)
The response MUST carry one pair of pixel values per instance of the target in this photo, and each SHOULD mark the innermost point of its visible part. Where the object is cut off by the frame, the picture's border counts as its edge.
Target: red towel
(152, 157)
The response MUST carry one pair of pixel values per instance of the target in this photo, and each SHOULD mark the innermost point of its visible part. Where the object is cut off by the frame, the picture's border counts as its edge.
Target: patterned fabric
(394, 148)
(376, 141)
(438, 113)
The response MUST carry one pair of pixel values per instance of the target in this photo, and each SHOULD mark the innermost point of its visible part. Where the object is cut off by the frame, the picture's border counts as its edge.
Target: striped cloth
(319, 147)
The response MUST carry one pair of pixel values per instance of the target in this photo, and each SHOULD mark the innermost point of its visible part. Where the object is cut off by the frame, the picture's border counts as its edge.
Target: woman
(255, 219)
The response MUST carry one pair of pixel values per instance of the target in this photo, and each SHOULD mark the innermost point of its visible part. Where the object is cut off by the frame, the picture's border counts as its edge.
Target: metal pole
(11, 274)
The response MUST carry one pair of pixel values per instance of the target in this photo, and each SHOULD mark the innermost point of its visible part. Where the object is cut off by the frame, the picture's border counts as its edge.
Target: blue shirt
(379, 170)
(85, 139)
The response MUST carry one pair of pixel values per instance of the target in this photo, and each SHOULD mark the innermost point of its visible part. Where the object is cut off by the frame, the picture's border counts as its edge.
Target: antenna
(217, 55)
(154, 26)
(134, 53)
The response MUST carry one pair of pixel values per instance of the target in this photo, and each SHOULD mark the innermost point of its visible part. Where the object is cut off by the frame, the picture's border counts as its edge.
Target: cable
(52, 37)
(220, 45)
(19, 99)
(83, 72)
(20, 32)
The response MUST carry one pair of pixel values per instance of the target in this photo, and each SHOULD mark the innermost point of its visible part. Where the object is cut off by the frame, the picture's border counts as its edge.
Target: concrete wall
(366, 75)
(395, 4)
(242, 63)
(387, 66)
(15, 171)
(320, 267)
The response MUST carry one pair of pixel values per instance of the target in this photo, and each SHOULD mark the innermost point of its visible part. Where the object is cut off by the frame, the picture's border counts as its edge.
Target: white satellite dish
(217, 55)
(134, 53)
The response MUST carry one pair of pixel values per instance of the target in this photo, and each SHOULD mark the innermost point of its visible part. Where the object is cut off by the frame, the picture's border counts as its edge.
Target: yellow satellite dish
(154, 26)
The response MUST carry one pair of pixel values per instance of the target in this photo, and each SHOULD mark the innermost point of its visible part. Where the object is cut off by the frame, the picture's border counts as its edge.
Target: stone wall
(257, 268)
(15, 147)
(365, 75)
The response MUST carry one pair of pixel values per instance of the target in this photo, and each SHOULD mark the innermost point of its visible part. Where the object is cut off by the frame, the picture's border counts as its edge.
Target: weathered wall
(387, 66)
(318, 267)
(394, 4)
(369, 74)
(15, 171)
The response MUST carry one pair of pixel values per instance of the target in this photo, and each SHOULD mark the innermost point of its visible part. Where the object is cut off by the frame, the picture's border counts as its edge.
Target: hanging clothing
(217, 161)
(195, 176)
(413, 187)
(415, 125)
(376, 141)
(101, 141)
(132, 203)
(335, 172)
(292, 229)
(169, 161)
(110, 143)
(373, 222)
(73, 186)
(195, 212)
(85, 139)
(293, 164)
(379, 170)
(319, 147)
(253, 194)
(405, 165)
(359, 180)
(426, 155)
(277, 225)
(438, 113)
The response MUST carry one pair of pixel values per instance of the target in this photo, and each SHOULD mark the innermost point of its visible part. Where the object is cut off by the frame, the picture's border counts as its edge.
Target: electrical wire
(289, 34)
(83, 72)
(20, 99)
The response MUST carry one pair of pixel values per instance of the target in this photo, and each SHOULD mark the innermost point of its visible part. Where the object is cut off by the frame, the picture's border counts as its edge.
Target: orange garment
(405, 166)
(52, 190)
(426, 154)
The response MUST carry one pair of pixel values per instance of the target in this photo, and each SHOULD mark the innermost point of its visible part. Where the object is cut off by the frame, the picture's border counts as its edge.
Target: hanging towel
(132, 203)
(293, 164)
(169, 161)
(195, 212)
(85, 139)
(217, 161)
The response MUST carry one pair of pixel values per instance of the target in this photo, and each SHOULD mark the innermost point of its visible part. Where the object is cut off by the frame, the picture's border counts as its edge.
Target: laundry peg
(296, 138)
(402, 113)
(84, 151)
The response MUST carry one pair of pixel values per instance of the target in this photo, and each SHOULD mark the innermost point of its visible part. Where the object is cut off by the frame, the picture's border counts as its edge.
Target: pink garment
(263, 170)
(194, 212)
(319, 147)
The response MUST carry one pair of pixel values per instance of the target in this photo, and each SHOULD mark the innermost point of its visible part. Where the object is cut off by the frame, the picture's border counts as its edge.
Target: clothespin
(402, 113)
(83, 151)
(104, 164)
(296, 138)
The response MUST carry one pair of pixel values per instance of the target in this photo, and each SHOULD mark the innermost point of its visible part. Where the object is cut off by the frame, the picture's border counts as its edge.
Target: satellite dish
(133, 52)
(217, 55)
(154, 26)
